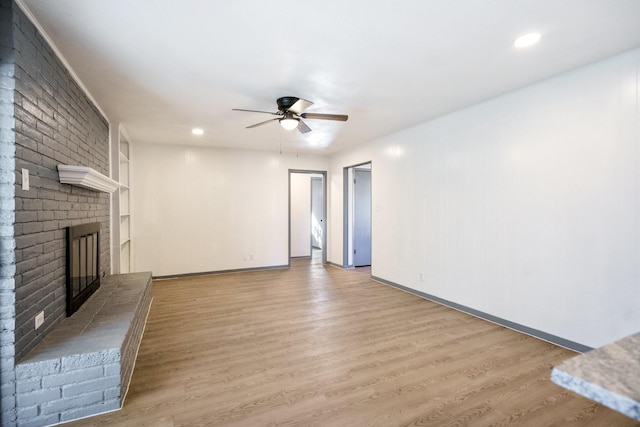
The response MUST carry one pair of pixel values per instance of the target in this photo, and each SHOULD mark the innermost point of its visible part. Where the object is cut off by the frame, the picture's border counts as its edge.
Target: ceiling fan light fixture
(289, 123)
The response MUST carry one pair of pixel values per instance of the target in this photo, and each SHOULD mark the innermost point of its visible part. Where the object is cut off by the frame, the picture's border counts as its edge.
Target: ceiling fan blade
(255, 111)
(302, 127)
(320, 116)
(300, 105)
(261, 123)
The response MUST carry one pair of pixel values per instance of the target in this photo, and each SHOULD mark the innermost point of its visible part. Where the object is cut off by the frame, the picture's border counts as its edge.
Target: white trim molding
(83, 176)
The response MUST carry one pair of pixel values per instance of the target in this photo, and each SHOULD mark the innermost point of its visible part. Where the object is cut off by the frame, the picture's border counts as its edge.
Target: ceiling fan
(290, 113)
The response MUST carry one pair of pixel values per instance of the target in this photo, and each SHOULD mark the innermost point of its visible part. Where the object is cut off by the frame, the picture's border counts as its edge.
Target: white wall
(300, 215)
(317, 212)
(526, 207)
(199, 209)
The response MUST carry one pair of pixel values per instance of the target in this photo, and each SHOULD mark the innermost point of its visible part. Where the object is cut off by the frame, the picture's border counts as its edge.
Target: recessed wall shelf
(126, 244)
(83, 176)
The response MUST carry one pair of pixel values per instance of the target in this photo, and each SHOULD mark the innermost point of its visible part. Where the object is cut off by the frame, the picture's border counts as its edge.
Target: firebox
(83, 264)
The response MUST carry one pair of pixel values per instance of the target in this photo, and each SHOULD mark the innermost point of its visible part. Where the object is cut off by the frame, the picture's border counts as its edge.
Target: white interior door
(300, 214)
(362, 218)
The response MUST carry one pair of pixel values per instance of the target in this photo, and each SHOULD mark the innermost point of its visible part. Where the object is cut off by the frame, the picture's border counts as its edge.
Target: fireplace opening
(83, 264)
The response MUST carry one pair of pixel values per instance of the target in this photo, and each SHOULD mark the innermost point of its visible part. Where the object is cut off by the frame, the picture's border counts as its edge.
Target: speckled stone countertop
(101, 325)
(610, 375)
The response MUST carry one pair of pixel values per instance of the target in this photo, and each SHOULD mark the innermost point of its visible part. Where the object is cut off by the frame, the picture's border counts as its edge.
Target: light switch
(39, 319)
(25, 179)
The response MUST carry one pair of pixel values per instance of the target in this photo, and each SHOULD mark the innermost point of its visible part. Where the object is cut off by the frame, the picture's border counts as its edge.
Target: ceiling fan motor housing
(286, 102)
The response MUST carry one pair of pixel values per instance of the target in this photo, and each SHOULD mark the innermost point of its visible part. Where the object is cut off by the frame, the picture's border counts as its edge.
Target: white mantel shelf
(83, 176)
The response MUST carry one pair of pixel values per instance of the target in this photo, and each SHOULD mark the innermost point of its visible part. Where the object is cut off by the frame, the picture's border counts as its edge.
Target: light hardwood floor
(316, 345)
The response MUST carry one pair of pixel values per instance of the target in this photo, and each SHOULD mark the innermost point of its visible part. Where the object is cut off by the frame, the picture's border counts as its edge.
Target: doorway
(307, 214)
(357, 216)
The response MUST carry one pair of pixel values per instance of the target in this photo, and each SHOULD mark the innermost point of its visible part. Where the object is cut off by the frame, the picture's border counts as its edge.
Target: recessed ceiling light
(197, 131)
(527, 40)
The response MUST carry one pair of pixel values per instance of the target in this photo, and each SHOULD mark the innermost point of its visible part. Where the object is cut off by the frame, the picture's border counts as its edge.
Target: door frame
(347, 211)
(324, 211)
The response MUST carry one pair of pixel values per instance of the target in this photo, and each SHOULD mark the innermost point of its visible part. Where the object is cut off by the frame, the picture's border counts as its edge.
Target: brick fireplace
(46, 119)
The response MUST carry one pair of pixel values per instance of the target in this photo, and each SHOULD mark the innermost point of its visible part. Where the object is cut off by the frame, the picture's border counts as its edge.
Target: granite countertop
(610, 375)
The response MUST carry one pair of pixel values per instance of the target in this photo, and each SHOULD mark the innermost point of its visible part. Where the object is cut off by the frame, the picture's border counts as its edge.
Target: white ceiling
(162, 67)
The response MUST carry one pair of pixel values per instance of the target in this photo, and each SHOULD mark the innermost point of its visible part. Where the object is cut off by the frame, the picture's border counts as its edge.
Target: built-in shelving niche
(125, 207)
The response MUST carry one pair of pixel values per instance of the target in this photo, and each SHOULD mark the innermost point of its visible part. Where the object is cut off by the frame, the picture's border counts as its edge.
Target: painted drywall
(300, 215)
(199, 209)
(526, 207)
(301, 218)
(317, 212)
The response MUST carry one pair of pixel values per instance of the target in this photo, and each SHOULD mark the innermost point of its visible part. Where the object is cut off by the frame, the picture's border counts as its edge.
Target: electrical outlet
(421, 277)
(39, 319)
(25, 179)
(250, 257)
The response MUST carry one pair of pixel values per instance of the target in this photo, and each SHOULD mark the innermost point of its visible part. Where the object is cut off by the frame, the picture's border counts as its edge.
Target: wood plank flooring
(316, 345)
